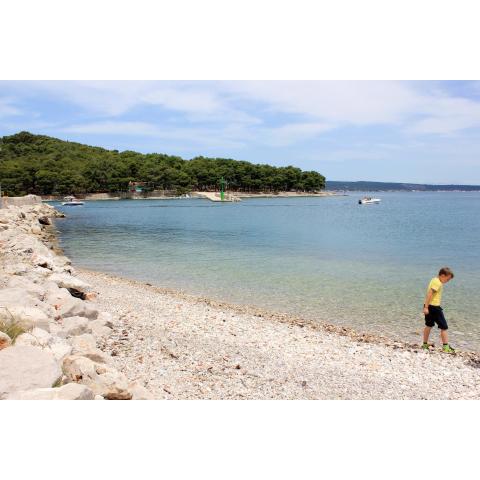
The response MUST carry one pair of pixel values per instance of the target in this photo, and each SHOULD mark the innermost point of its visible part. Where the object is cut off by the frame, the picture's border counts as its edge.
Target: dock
(215, 196)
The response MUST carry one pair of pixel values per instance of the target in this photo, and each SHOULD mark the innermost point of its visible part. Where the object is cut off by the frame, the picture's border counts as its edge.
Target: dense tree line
(44, 165)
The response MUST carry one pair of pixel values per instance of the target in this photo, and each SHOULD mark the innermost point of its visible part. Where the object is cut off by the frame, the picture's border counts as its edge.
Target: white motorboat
(71, 202)
(368, 201)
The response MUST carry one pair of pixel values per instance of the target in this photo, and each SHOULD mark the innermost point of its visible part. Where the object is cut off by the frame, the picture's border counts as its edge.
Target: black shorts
(436, 316)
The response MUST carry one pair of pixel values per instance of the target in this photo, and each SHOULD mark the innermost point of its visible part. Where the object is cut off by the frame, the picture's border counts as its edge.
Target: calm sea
(328, 259)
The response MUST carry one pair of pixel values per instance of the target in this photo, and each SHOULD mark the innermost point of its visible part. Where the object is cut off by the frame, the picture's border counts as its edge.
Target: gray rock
(27, 368)
(44, 220)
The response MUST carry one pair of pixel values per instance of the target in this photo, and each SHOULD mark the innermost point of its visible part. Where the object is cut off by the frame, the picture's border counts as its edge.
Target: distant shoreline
(241, 195)
(371, 186)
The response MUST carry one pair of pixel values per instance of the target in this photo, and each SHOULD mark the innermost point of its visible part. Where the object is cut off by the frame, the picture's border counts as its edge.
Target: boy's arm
(428, 299)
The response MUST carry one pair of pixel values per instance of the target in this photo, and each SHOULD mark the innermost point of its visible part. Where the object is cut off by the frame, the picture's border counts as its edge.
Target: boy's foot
(427, 346)
(448, 349)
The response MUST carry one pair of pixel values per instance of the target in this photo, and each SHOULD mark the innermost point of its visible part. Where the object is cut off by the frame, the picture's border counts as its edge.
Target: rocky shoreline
(50, 323)
(93, 335)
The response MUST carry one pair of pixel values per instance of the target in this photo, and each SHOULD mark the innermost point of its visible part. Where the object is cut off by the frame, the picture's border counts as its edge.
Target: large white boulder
(60, 349)
(112, 385)
(86, 345)
(25, 245)
(83, 343)
(37, 337)
(102, 379)
(74, 307)
(17, 268)
(56, 296)
(27, 368)
(43, 261)
(26, 317)
(62, 260)
(139, 392)
(71, 391)
(30, 288)
(15, 296)
(68, 281)
(20, 297)
(99, 329)
(75, 326)
(80, 369)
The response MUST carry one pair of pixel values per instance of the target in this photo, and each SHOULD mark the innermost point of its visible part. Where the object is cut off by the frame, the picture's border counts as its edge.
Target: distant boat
(368, 201)
(71, 202)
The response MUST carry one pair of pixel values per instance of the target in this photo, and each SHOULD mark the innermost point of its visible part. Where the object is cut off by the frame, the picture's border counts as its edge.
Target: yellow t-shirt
(437, 286)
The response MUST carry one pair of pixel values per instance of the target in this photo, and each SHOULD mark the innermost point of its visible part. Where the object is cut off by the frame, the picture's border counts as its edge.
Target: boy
(433, 311)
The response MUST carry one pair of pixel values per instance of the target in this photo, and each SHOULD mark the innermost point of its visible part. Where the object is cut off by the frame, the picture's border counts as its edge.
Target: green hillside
(44, 165)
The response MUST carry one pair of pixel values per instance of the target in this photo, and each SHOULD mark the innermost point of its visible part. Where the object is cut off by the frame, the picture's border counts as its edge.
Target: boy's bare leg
(426, 334)
(444, 336)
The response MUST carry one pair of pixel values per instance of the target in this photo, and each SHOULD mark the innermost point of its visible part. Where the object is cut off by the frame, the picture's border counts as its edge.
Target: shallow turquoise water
(322, 258)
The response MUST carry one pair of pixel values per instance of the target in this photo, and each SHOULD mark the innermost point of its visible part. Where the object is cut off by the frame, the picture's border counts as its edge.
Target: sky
(395, 131)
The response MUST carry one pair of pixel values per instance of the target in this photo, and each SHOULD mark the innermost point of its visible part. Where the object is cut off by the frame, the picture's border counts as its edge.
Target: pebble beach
(184, 347)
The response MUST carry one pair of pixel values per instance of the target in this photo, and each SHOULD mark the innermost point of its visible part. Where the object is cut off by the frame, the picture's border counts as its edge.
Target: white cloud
(230, 135)
(198, 100)
(342, 102)
(447, 115)
(114, 128)
(191, 100)
(405, 105)
(7, 108)
(193, 136)
(272, 113)
(290, 133)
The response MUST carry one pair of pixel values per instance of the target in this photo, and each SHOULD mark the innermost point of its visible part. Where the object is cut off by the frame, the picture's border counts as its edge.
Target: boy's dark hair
(446, 271)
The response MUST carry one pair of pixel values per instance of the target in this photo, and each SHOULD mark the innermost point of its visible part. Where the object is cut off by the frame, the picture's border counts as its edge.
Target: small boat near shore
(369, 201)
(72, 202)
